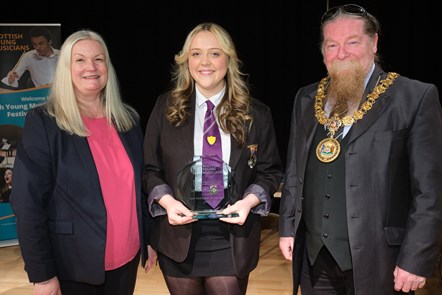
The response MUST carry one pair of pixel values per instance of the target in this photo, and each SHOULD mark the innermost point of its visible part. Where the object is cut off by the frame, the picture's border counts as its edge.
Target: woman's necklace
(328, 149)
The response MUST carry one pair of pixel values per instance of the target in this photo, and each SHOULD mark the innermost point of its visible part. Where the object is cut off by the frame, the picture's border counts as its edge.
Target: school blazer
(169, 148)
(57, 199)
(393, 172)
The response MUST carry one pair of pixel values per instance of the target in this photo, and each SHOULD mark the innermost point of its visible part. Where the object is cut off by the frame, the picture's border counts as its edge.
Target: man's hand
(406, 282)
(12, 76)
(286, 245)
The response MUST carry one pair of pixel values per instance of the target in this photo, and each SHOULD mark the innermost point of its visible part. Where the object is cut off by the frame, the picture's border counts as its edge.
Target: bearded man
(361, 207)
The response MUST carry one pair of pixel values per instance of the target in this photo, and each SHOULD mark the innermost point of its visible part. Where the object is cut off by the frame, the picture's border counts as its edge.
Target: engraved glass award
(206, 187)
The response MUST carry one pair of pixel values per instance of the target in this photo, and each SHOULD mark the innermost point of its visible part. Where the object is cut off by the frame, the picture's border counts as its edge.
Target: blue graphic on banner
(7, 222)
(28, 57)
(15, 105)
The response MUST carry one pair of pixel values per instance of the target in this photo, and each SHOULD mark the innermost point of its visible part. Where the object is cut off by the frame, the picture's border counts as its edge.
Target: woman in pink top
(81, 216)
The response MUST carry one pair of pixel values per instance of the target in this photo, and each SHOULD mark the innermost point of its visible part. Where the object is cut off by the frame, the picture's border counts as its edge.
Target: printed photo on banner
(28, 57)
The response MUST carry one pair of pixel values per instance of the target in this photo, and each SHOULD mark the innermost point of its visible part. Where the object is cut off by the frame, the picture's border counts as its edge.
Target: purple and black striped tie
(212, 178)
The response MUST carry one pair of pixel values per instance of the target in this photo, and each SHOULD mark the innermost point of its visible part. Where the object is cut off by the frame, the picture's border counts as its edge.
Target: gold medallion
(328, 150)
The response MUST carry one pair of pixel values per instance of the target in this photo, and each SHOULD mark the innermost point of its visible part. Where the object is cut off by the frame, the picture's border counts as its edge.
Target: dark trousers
(325, 277)
(120, 281)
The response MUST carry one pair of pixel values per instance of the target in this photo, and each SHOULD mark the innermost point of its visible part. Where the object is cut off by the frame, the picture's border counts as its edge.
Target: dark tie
(212, 178)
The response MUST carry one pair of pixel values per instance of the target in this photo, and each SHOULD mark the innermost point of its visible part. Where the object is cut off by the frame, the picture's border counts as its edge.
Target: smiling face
(345, 41)
(88, 69)
(349, 53)
(208, 63)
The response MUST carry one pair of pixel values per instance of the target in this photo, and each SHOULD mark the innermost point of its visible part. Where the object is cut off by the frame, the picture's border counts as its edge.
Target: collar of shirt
(200, 111)
(215, 99)
(35, 54)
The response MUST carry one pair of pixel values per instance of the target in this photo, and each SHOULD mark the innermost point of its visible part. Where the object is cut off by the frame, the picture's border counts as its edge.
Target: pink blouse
(117, 182)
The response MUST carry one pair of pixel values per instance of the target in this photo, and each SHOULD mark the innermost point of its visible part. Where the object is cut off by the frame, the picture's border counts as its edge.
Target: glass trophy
(206, 187)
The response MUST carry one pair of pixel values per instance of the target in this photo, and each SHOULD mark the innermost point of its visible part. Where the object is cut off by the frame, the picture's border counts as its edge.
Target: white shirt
(41, 68)
(200, 112)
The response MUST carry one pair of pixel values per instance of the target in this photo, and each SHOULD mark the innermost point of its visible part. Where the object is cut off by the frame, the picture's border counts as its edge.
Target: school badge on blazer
(253, 148)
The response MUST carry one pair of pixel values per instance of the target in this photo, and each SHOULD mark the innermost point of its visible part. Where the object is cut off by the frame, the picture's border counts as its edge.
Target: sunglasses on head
(351, 9)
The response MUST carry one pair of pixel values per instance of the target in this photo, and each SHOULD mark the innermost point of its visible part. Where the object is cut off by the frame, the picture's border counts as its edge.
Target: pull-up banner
(28, 56)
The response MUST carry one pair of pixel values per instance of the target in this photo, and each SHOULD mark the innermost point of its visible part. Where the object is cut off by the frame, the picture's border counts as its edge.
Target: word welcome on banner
(28, 56)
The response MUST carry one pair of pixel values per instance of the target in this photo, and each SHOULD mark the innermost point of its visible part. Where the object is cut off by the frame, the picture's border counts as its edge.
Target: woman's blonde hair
(233, 111)
(62, 103)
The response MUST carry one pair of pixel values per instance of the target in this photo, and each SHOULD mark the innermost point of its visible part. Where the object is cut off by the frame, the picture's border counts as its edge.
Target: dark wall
(277, 41)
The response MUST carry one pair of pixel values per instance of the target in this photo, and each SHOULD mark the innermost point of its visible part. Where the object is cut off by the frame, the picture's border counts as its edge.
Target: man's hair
(40, 31)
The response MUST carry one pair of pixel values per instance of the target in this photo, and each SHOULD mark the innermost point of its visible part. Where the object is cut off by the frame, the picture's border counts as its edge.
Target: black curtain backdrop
(278, 41)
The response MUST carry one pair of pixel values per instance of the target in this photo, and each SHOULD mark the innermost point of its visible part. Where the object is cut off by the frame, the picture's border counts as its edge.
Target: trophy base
(212, 215)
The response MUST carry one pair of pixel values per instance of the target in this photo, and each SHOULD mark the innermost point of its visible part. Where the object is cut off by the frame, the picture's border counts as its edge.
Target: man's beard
(346, 86)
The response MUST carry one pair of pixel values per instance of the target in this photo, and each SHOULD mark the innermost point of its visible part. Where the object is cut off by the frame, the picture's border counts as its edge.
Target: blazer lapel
(186, 133)
(236, 150)
(372, 115)
(309, 120)
(85, 153)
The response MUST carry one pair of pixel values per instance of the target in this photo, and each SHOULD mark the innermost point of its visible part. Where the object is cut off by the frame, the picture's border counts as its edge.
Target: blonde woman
(77, 197)
(209, 256)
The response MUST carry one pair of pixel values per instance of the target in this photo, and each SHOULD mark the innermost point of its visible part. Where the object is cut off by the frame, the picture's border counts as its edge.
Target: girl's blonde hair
(233, 111)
